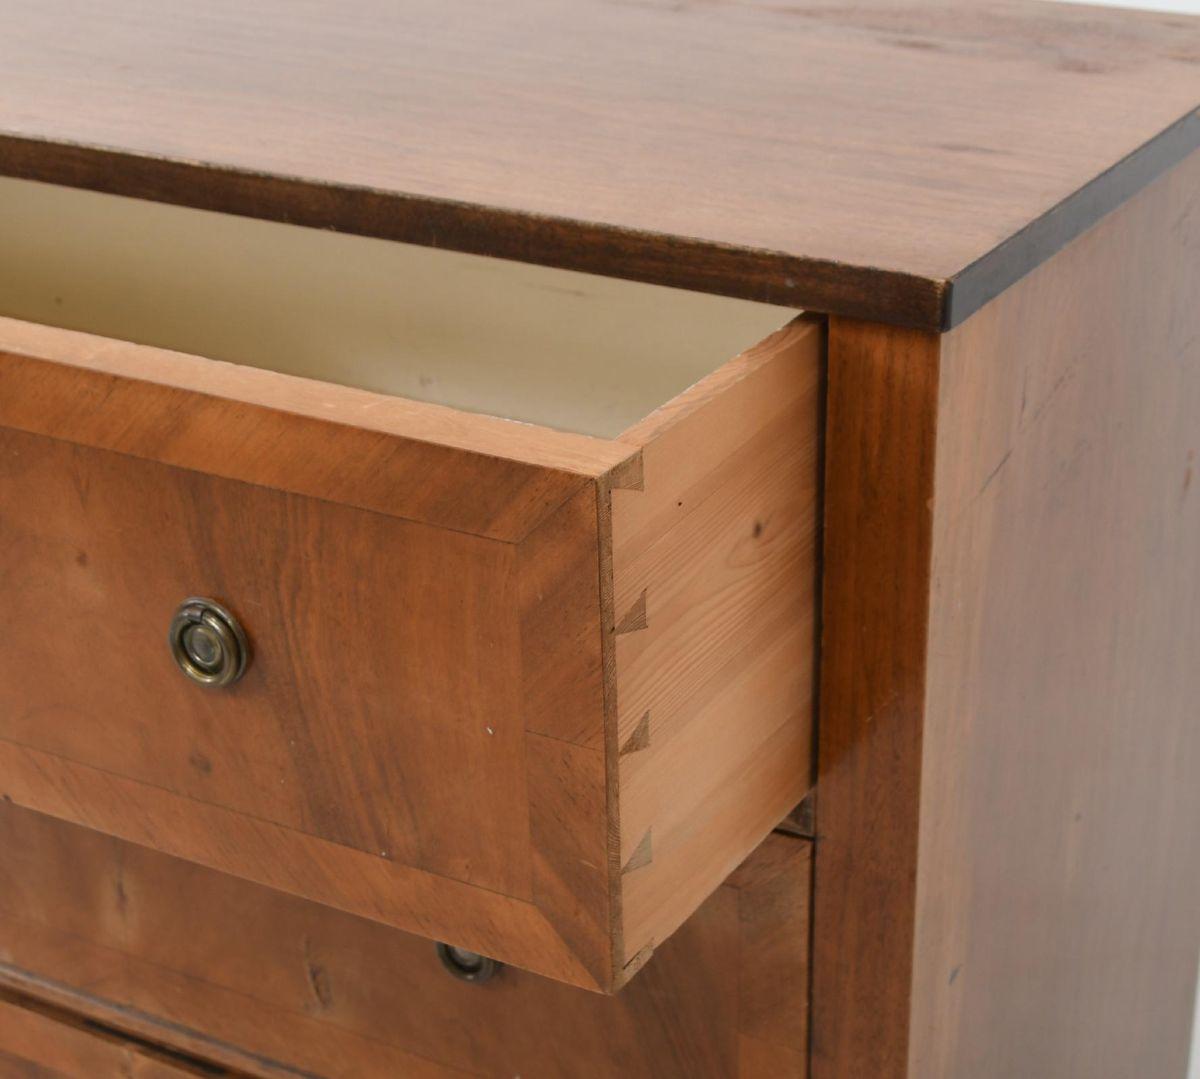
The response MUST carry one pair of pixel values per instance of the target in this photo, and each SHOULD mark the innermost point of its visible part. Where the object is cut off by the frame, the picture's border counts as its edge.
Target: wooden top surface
(902, 162)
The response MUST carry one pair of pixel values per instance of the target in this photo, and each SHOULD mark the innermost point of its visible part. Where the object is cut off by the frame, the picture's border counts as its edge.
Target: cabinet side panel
(1058, 892)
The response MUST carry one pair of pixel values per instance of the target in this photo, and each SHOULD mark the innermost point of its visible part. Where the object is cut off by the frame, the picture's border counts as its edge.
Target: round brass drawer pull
(207, 643)
(469, 966)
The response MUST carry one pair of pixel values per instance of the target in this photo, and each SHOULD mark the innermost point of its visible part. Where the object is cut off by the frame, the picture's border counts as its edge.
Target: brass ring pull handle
(467, 966)
(207, 643)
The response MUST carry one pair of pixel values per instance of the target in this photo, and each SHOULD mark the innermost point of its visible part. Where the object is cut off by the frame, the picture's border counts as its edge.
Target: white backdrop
(1186, 7)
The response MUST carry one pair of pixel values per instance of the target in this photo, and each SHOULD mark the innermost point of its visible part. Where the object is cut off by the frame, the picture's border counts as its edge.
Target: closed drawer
(274, 985)
(41, 1042)
(531, 688)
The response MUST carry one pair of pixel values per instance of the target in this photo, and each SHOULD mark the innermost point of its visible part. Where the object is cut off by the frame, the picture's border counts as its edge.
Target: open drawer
(530, 688)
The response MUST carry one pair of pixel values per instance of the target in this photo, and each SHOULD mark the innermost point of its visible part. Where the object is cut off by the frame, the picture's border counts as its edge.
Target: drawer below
(275, 985)
(40, 1042)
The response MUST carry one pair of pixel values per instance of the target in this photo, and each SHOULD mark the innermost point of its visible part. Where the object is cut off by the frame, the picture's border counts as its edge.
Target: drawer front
(377, 754)
(274, 985)
(530, 693)
(377, 709)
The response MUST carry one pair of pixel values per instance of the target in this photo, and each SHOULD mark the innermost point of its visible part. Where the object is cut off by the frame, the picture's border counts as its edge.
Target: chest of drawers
(599, 539)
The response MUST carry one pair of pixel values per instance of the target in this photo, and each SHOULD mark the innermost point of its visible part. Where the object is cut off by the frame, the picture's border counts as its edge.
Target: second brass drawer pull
(466, 965)
(207, 643)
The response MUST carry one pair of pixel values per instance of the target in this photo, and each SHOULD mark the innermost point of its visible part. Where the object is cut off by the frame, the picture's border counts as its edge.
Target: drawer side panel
(714, 581)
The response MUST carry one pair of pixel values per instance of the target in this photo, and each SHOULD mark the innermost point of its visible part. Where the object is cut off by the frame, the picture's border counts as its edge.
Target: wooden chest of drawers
(468, 473)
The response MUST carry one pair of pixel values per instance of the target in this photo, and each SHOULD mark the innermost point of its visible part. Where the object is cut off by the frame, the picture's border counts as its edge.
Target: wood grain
(854, 159)
(1019, 896)
(714, 581)
(37, 1042)
(772, 996)
(277, 986)
(880, 430)
(496, 478)
(361, 745)
(106, 548)
(1063, 674)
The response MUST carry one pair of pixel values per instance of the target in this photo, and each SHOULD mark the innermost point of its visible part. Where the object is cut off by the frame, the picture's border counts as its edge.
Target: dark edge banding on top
(1027, 249)
(653, 258)
(818, 285)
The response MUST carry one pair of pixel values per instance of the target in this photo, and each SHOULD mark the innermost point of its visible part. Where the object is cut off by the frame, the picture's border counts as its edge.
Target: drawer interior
(562, 349)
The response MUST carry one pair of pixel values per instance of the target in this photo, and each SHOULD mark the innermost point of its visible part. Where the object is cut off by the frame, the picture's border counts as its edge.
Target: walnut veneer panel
(1007, 873)
(277, 986)
(895, 161)
(40, 1042)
